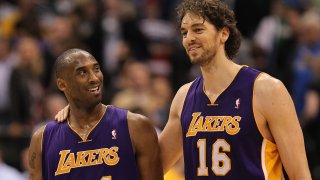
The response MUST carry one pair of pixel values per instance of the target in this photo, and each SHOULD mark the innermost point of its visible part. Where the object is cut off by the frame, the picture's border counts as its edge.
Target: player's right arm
(170, 140)
(35, 155)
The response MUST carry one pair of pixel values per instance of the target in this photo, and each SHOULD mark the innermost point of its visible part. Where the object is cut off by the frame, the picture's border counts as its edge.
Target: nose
(189, 38)
(94, 77)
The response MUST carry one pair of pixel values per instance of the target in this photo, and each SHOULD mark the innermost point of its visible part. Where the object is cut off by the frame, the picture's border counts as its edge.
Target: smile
(94, 90)
(193, 48)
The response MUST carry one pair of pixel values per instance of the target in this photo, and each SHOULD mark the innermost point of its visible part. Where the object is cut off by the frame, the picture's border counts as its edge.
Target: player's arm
(273, 102)
(170, 140)
(35, 155)
(145, 143)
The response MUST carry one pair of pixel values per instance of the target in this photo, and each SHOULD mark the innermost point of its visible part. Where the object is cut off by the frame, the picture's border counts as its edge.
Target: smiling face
(199, 38)
(82, 80)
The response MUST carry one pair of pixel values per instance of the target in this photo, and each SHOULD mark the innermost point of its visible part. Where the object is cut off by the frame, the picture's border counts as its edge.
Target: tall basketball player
(232, 122)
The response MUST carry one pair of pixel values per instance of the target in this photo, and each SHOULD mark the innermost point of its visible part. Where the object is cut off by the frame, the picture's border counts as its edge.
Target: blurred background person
(7, 172)
(7, 64)
(26, 89)
(306, 60)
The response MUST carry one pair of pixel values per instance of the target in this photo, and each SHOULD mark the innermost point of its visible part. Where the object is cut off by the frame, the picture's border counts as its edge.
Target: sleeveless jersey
(106, 154)
(221, 139)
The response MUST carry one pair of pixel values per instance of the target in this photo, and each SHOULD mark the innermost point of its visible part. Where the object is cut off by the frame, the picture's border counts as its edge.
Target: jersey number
(221, 163)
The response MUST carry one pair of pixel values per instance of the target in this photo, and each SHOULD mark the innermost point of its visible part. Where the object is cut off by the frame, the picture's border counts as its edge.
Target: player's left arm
(145, 143)
(277, 108)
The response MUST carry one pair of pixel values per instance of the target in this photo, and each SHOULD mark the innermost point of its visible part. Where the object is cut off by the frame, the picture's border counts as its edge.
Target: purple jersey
(106, 154)
(221, 139)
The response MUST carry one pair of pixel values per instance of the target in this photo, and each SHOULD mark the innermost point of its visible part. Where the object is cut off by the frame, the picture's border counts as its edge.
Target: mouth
(94, 90)
(193, 49)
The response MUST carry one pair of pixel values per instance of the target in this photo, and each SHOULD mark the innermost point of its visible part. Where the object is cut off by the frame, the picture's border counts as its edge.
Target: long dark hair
(218, 14)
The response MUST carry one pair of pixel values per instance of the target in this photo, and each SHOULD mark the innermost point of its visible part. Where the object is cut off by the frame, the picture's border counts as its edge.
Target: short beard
(205, 58)
(86, 103)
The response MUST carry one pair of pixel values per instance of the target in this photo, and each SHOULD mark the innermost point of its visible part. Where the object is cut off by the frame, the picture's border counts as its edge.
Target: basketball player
(235, 122)
(232, 122)
(97, 141)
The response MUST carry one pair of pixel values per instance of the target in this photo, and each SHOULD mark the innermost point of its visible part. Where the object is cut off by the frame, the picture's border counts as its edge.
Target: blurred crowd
(138, 46)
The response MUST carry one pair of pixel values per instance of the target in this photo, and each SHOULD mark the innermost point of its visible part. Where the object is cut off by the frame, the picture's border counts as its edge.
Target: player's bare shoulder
(38, 134)
(178, 100)
(141, 130)
(267, 86)
(183, 90)
(36, 140)
(139, 123)
(270, 95)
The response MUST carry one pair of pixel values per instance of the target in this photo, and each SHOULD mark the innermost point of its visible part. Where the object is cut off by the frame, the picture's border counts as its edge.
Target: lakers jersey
(221, 139)
(106, 154)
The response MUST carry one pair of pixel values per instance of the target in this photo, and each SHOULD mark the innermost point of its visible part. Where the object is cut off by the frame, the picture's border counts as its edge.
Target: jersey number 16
(221, 163)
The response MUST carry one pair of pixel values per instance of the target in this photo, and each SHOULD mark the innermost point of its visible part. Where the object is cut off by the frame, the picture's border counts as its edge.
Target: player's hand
(62, 114)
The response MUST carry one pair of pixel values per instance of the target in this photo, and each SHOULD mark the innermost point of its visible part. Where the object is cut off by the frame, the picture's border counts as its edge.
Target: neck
(81, 116)
(219, 74)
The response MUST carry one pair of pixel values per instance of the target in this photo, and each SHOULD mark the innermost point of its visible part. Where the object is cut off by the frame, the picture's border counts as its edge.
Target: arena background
(139, 47)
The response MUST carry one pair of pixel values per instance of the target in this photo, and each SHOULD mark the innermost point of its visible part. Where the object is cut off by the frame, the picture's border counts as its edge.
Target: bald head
(79, 77)
(66, 58)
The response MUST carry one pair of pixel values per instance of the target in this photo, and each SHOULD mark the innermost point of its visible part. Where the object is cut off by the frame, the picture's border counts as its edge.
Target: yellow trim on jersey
(41, 141)
(106, 178)
(254, 85)
(88, 140)
(270, 161)
(213, 102)
(87, 135)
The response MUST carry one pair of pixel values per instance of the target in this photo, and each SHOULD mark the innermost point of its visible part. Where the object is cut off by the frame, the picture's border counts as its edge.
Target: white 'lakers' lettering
(68, 160)
(199, 123)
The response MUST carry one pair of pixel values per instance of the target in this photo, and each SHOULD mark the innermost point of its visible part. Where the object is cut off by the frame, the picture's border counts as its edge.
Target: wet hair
(216, 13)
(65, 59)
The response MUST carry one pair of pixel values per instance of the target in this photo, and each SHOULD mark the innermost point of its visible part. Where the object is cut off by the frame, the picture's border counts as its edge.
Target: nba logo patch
(114, 134)
(237, 103)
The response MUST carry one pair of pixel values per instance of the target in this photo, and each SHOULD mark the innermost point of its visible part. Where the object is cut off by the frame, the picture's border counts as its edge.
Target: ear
(61, 84)
(224, 34)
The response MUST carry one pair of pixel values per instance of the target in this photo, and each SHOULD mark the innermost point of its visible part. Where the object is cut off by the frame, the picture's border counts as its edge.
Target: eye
(183, 34)
(198, 30)
(82, 72)
(97, 68)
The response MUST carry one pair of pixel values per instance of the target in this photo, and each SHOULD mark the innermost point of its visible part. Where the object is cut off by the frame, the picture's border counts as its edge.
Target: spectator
(25, 87)
(307, 58)
(6, 67)
(7, 172)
